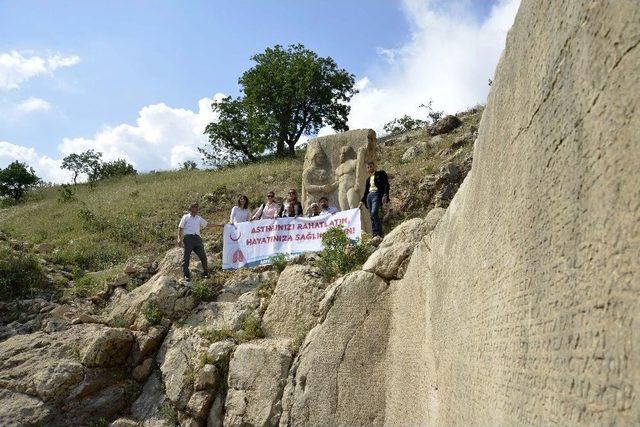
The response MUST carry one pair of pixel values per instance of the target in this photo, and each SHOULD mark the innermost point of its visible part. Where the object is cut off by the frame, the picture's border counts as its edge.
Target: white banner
(252, 243)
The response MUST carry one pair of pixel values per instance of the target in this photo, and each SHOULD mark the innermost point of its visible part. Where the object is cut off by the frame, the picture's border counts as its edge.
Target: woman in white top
(240, 212)
(269, 209)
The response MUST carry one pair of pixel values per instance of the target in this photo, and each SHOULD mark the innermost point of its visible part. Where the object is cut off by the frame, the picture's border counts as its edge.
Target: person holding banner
(240, 212)
(267, 210)
(292, 207)
(314, 210)
(189, 237)
(376, 194)
(325, 208)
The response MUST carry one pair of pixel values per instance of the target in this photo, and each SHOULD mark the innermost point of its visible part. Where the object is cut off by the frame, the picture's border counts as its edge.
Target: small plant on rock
(203, 291)
(279, 262)
(340, 254)
(152, 313)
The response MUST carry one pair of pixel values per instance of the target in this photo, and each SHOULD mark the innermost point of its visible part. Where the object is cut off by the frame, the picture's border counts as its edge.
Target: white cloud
(45, 167)
(16, 68)
(162, 138)
(33, 104)
(448, 60)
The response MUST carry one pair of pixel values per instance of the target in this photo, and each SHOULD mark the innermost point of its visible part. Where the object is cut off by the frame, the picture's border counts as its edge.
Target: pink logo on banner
(238, 257)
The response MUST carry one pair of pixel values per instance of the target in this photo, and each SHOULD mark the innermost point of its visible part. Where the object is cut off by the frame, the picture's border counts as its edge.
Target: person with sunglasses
(269, 209)
(291, 207)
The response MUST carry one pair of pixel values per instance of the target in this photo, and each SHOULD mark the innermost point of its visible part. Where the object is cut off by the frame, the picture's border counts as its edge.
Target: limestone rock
(199, 404)
(292, 310)
(386, 261)
(233, 289)
(208, 378)
(148, 404)
(338, 375)
(160, 290)
(445, 125)
(142, 371)
(110, 347)
(214, 419)
(257, 374)
(123, 422)
(220, 351)
(410, 154)
(521, 307)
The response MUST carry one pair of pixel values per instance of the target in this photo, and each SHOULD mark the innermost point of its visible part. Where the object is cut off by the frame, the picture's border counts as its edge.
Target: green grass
(119, 218)
(21, 275)
(251, 330)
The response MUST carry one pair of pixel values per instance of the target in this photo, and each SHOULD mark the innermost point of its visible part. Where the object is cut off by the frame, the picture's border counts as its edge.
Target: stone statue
(349, 177)
(317, 177)
(335, 167)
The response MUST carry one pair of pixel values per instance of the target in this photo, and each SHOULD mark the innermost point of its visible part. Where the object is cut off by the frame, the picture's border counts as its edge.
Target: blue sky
(133, 77)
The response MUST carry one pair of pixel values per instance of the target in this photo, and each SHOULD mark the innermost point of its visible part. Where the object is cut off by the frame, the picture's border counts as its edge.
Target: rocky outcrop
(257, 375)
(49, 378)
(336, 377)
(521, 308)
(293, 309)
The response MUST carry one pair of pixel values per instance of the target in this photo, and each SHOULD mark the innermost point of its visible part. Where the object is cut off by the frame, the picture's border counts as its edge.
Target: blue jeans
(374, 201)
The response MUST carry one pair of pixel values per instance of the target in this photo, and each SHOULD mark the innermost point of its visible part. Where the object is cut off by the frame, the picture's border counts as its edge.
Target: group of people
(272, 209)
(376, 194)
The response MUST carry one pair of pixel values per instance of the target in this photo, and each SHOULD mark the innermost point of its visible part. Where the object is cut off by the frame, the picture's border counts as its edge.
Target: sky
(135, 79)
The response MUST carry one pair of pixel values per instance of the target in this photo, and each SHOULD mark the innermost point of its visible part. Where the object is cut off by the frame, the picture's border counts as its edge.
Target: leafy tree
(16, 179)
(88, 162)
(296, 92)
(189, 165)
(116, 168)
(239, 134)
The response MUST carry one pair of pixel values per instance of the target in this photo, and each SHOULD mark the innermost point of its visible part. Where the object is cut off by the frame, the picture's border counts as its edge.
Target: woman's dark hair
(294, 192)
(246, 201)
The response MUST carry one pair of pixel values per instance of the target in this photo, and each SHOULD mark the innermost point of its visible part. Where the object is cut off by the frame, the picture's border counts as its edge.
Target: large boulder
(160, 291)
(337, 377)
(110, 347)
(445, 125)
(75, 374)
(292, 311)
(257, 375)
(522, 307)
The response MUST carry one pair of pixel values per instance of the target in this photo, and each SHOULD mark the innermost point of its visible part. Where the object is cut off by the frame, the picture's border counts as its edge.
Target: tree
(403, 124)
(297, 92)
(87, 162)
(116, 168)
(240, 133)
(16, 179)
(189, 165)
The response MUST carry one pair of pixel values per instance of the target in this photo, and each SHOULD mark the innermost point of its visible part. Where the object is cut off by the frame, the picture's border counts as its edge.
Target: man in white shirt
(189, 237)
(325, 208)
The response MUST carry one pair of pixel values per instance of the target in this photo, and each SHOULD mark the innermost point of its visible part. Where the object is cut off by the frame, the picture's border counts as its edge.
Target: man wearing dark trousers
(376, 194)
(189, 237)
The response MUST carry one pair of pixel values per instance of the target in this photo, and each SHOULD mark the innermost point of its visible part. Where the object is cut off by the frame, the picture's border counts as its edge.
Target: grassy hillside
(116, 219)
(106, 224)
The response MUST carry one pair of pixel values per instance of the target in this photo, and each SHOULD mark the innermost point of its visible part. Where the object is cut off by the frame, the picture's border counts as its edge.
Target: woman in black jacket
(291, 207)
(376, 194)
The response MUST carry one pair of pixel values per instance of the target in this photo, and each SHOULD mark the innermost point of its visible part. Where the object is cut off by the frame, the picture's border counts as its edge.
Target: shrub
(251, 330)
(21, 275)
(115, 169)
(279, 262)
(66, 193)
(341, 254)
(403, 124)
(203, 291)
(88, 255)
(152, 313)
(84, 286)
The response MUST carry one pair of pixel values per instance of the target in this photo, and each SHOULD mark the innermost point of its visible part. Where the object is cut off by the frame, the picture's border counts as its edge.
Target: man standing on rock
(376, 194)
(189, 237)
